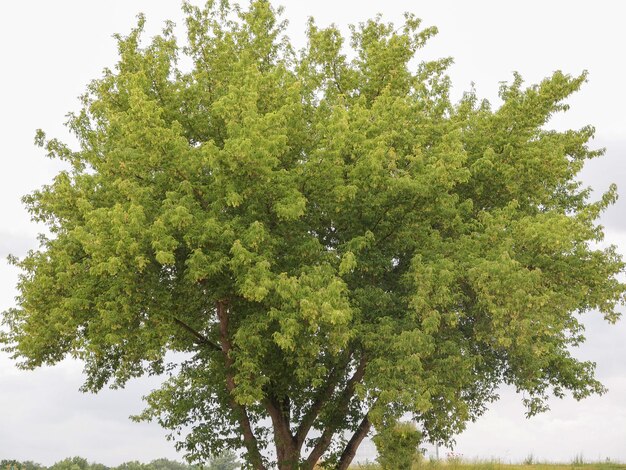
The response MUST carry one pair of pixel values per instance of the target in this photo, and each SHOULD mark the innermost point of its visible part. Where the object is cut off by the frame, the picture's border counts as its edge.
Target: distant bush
(225, 461)
(16, 465)
(166, 464)
(76, 463)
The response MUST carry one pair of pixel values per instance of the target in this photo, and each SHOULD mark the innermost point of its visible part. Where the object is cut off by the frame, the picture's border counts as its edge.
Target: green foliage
(75, 463)
(226, 461)
(166, 464)
(330, 241)
(8, 464)
(397, 446)
(134, 465)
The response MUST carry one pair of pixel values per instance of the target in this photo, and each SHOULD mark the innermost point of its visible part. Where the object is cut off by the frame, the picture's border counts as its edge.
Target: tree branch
(249, 439)
(353, 444)
(325, 394)
(336, 77)
(199, 337)
(343, 403)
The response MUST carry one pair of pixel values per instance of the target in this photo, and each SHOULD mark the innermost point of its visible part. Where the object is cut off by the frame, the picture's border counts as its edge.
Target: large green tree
(330, 241)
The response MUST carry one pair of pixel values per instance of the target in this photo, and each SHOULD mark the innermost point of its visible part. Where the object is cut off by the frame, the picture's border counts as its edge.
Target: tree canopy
(330, 241)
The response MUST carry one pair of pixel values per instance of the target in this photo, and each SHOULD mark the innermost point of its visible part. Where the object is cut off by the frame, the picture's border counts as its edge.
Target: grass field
(460, 465)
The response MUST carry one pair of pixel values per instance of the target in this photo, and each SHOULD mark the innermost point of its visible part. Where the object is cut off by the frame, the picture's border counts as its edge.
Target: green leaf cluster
(397, 446)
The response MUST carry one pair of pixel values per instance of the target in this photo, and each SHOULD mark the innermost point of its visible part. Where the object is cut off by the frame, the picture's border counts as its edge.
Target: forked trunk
(288, 458)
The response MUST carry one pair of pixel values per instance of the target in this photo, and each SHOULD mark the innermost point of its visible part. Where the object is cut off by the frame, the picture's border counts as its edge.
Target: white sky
(50, 50)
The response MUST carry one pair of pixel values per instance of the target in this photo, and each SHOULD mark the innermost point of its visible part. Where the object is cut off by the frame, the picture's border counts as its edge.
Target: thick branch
(249, 439)
(199, 337)
(353, 444)
(342, 407)
(325, 394)
(336, 77)
(286, 452)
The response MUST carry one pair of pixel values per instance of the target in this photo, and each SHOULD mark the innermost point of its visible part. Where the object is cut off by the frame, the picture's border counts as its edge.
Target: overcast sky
(49, 50)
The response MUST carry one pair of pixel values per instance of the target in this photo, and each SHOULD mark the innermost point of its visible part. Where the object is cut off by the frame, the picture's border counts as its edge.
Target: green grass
(457, 464)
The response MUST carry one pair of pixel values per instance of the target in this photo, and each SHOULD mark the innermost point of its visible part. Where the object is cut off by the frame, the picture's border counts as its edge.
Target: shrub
(398, 446)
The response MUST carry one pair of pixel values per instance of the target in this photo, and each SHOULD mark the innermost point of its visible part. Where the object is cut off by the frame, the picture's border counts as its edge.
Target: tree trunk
(353, 444)
(288, 457)
(249, 438)
(287, 452)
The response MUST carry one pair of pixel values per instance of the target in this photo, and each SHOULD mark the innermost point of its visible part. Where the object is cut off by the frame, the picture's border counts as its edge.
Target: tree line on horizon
(225, 461)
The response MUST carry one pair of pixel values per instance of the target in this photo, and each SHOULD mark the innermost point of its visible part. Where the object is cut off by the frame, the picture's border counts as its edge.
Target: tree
(75, 463)
(166, 464)
(11, 464)
(328, 239)
(134, 465)
(225, 461)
